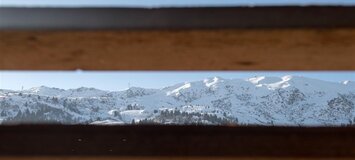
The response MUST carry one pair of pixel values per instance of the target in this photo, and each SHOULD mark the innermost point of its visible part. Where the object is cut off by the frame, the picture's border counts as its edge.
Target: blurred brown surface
(254, 49)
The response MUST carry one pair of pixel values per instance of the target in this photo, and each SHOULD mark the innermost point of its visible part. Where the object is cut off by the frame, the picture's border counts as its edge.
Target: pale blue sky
(120, 80)
(157, 3)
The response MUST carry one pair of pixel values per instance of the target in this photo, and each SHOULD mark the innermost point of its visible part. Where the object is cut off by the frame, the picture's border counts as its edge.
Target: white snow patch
(136, 115)
(177, 90)
(264, 80)
(107, 122)
(212, 81)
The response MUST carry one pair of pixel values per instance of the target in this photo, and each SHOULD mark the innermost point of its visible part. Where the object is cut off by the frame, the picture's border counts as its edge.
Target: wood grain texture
(239, 49)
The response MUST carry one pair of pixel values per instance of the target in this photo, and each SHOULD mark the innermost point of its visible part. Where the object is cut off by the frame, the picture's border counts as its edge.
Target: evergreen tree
(65, 103)
(3, 114)
(129, 107)
(55, 100)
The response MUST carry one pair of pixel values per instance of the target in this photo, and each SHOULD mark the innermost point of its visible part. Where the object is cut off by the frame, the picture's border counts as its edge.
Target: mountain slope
(288, 100)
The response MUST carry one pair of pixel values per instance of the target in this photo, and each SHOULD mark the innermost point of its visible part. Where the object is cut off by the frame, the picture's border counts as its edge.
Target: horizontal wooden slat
(177, 141)
(189, 17)
(239, 49)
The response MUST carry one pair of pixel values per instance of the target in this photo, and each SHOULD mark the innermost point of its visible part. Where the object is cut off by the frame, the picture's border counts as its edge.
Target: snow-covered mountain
(288, 100)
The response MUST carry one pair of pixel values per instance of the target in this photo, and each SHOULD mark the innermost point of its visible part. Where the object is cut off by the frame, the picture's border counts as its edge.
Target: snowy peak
(276, 80)
(207, 85)
(43, 88)
(264, 80)
(301, 83)
(84, 92)
(271, 83)
(195, 86)
(256, 85)
(56, 92)
(287, 100)
(134, 92)
(139, 89)
(213, 81)
(179, 89)
(349, 83)
(45, 91)
(346, 82)
(300, 79)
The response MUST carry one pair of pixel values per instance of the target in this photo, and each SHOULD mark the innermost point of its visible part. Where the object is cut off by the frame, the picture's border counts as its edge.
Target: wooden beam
(256, 49)
(177, 141)
(177, 18)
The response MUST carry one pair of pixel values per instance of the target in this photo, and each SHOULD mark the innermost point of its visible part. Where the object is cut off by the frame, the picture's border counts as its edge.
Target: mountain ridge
(287, 100)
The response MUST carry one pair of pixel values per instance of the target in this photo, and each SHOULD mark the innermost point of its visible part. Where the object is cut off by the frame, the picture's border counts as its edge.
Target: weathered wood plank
(255, 49)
